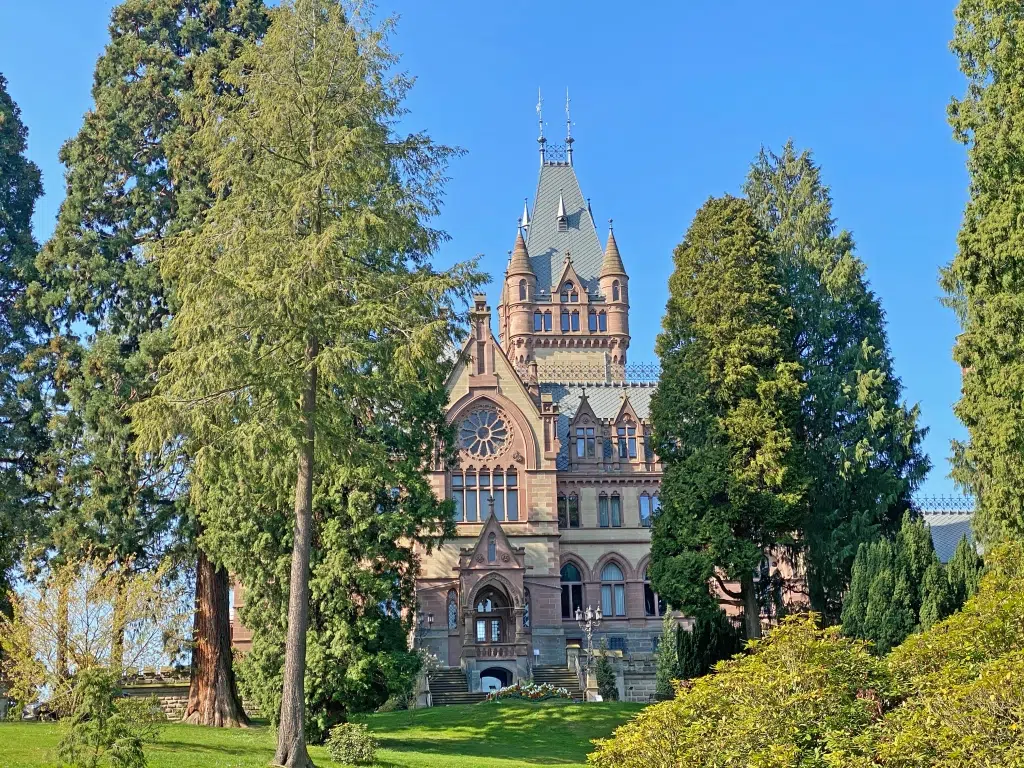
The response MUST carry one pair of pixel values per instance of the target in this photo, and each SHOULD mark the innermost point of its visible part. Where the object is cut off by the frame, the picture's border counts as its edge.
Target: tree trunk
(291, 733)
(118, 626)
(63, 626)
(751, 608)
(212, 692)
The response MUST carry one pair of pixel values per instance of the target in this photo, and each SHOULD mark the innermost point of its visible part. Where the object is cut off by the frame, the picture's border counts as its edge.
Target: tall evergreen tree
(859, 442)
(964, 572)
(22, 414)
(131, 180)
(309, 320)
(985, 281)
(724, 415)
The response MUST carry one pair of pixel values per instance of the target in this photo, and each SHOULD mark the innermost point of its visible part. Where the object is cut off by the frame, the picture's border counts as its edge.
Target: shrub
(606, 685)
(351, 744)
(394, 704)
(781, 705)
(106, 730)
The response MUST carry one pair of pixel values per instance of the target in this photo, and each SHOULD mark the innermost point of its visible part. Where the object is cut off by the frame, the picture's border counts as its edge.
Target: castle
(556, 482)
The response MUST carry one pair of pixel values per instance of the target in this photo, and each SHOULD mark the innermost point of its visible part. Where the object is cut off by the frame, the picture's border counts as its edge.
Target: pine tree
(857, 439)
(132, 180)
(667, 658)
(724, 415)
(964, 572)
(307, 366)
(605, 672)
(22, 412)
(985, 281)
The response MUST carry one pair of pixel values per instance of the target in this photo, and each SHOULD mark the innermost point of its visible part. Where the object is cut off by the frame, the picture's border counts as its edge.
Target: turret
(614, 286)
(520, 294)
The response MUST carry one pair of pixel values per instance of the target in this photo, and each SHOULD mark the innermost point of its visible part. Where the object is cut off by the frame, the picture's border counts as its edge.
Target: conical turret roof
(519, 264)
(612, 264)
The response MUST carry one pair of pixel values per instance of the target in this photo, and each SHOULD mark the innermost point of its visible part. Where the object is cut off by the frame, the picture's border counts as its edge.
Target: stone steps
(449, 686)
(560, 677)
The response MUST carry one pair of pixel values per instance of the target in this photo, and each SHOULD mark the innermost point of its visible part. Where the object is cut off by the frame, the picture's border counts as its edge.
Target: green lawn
(474, 736)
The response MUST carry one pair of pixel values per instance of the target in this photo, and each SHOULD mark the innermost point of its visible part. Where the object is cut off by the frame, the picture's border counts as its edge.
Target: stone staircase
(560, 677)
(449, 686)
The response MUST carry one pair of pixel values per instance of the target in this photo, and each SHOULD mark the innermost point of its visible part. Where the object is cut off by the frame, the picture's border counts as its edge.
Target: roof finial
(561, 206)
(568, 130)
(610, 227)
(524, 222)
(540, 124)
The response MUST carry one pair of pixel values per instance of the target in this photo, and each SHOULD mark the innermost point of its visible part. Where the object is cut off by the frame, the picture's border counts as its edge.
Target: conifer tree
(131, 180)
(858, 441)
(22, 413)
(985, 281)
(311, 330)
(964, 572)
(724, 415)
(667, 658)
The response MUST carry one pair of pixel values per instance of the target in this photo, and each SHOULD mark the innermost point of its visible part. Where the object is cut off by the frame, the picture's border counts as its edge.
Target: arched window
(603, 517)
(492, 610)
(547, 321)
(575, 320)
(492, 547)
(572, 590)
(615, 291)
(645, 510)
(453, 609)
(567, 289)
(653, 605)
(613, 591)
(538, 321)
(592, 321)
(609, 511)
(565, 320)
(526, 608)
(522, 290)
(602, 322)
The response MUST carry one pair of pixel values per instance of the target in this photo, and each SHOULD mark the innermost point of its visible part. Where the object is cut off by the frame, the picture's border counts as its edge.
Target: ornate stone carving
(485, 432)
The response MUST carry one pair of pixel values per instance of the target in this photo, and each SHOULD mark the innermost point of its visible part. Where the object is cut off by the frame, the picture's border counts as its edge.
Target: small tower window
(592, 321)
(538, 321)
(453, 610)
(602, 322)
(547, 321)
(522, 290)
(615, 291)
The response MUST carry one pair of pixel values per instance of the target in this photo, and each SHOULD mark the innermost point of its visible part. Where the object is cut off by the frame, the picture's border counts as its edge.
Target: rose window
(484, 432)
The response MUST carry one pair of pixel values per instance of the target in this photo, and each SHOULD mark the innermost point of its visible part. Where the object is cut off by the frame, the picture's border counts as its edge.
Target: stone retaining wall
(173, 697)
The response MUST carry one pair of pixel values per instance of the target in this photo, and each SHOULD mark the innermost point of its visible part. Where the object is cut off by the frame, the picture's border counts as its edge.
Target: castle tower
(564, 306)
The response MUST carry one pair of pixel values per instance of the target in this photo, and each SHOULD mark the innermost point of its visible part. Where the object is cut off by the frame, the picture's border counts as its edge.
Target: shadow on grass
(195, 746)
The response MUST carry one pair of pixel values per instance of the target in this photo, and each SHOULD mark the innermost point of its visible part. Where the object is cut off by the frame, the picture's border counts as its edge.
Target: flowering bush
(530, 692)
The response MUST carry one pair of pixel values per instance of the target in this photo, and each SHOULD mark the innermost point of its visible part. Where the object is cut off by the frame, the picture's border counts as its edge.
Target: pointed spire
(519, 263)
(525, 221)
(561, 206)
(612, 264)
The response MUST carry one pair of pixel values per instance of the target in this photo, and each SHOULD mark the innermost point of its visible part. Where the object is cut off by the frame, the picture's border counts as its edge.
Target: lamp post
(588, 622)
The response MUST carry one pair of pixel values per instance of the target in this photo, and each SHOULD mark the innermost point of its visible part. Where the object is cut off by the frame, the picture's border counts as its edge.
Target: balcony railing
(495, 650)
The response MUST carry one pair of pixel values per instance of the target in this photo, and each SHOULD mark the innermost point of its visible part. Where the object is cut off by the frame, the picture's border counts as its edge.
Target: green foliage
(964, 572)
(106, 730)
(686, 654)
(858, 441)
(605, 672)
(351, 744)
(898, 586)
(22, 411)
(985, 281)
(723, 413)
(325, 294)
(785, 703)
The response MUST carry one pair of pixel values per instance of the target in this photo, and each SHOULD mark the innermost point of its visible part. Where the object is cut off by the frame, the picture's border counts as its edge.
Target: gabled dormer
(584, 435)
(492, 550)
(627, 433)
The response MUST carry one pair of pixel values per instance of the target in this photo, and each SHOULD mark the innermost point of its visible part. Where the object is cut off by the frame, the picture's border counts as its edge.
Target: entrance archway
(492, 617)
(493, 678)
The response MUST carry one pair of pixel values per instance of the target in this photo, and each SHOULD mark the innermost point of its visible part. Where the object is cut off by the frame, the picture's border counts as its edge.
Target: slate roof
(547, 245)
(948, 527)
(605, 400)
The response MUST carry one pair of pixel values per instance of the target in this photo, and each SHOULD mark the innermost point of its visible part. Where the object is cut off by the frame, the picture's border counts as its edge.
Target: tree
(605, 672)
(309, 322)
(858, 441)
(898, 586)
(667, 658)
(964, 571)
(985, 281)
(22, 413)
(724, 415)
(131, 180)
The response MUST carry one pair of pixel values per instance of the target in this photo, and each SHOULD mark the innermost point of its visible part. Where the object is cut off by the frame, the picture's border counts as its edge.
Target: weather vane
(540, 117)
(568, 120)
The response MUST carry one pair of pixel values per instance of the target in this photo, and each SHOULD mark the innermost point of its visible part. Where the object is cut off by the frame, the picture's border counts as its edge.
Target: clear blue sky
(671, 101)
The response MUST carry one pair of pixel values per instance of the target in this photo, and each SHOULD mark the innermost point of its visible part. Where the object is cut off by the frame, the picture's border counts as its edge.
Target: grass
(489, 735)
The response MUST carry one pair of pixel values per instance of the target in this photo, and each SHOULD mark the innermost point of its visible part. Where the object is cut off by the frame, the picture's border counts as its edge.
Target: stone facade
(555, 483)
